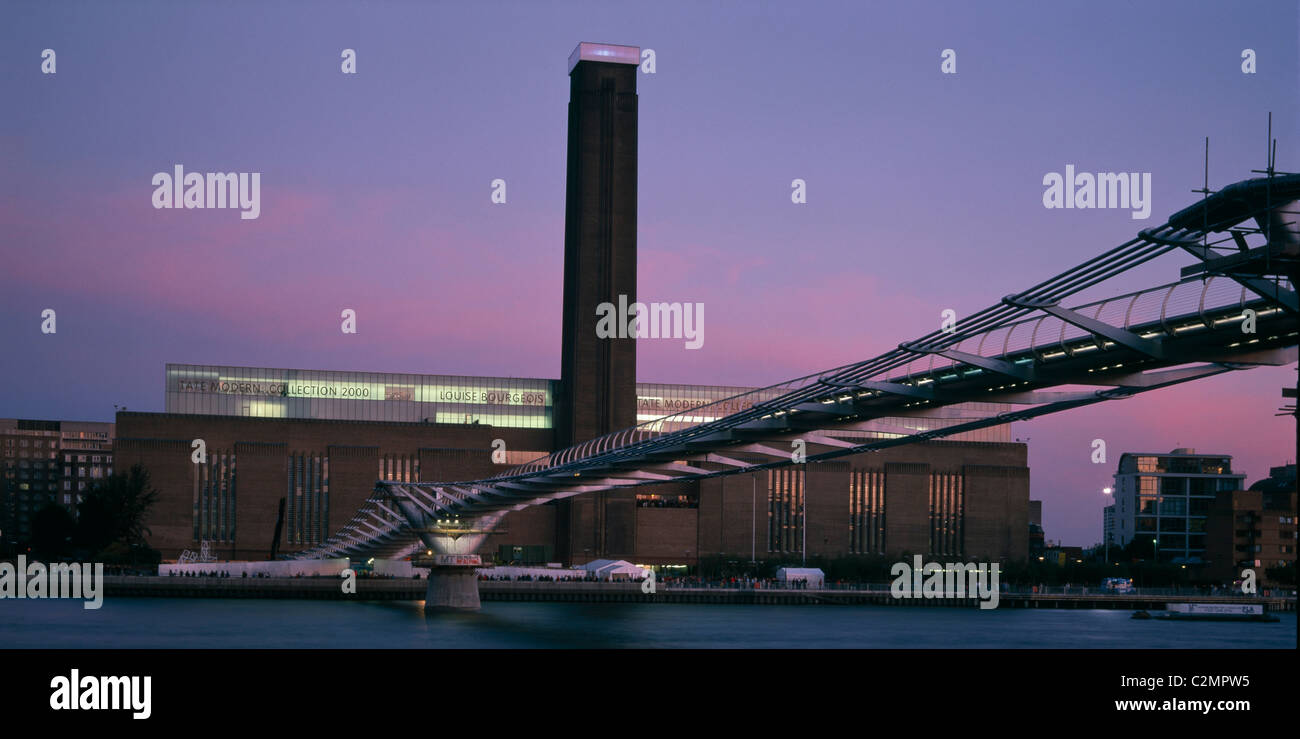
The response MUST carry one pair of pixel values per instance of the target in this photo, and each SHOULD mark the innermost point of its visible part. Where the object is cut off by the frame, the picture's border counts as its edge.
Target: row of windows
(1186, 465)
(866, 509)
(39, 444)
(1181, 542)
(9, 454)
(309, 496)
(399, 467)
(36, 487)
(95, 472)
(666, 501)
(785, 510)
(26, 499)
(214, 498)
(1151, 505)
(284, 393)
(97, 458)
(454, 399)
(1183, 486)
(946, 513)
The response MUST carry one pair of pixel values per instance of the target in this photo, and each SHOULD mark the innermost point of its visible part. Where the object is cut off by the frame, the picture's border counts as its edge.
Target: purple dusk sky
(924, 189)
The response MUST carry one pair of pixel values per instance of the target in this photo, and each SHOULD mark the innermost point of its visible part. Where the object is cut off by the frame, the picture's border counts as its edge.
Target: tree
(1283, 574)
(52, 530)
(113, 514)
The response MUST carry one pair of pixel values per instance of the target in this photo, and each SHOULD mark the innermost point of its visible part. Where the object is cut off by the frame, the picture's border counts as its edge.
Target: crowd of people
(366, 574)
(657, 502)
(538, 578)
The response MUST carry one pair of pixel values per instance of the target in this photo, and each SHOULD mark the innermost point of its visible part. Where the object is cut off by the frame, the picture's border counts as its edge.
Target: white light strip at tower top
(610, 53)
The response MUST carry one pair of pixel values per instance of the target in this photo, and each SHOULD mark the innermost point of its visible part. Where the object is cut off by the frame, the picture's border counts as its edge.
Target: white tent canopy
(614, 569)
(812, 576)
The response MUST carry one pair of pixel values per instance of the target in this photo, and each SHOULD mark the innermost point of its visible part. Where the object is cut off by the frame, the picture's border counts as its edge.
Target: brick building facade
(946, 498)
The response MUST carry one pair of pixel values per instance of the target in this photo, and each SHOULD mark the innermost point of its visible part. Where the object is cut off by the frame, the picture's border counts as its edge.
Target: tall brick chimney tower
(597, 389)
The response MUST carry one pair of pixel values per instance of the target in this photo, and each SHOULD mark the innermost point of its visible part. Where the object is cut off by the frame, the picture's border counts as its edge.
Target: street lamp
(1107, 490)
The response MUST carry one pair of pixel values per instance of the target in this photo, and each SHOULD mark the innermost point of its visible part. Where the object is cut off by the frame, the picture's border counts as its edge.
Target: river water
(236, 623)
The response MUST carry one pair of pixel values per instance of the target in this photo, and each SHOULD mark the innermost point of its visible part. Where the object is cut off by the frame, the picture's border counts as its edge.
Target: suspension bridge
(1233, 308)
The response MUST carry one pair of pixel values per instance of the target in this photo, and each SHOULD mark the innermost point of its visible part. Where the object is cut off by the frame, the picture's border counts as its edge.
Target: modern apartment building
(1254, 528)
(43, 462)
(1166, 499)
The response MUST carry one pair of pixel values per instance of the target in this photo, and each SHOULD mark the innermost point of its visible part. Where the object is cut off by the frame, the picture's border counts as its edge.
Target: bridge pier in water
(452, 589)
(450, 553)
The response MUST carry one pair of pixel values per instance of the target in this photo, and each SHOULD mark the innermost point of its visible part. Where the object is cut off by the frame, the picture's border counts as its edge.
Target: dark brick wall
(907, 507)
(262, 474)
(995, 496)
(827, 490)
(667, 535)
(996, 485)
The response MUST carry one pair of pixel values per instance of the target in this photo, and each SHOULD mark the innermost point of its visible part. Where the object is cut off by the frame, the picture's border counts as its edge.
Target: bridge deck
(1023, 351)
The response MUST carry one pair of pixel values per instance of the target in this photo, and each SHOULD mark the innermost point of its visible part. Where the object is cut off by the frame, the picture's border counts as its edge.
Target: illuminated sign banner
(457, 560)
(484, 396)
(278, 389)
(366, 391)
(667, 406)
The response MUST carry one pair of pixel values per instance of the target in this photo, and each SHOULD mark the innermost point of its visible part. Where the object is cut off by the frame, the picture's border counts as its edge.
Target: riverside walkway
(413, 589)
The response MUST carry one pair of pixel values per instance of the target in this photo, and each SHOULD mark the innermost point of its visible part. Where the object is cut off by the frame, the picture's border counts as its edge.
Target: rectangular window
(945, 513)
(866, 511)
(784, 509)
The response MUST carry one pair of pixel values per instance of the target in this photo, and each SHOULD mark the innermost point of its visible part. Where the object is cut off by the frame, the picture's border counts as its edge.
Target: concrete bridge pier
(450, 553)
(452, 589)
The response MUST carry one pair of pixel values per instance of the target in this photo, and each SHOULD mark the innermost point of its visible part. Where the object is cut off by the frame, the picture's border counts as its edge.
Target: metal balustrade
(1013, 352)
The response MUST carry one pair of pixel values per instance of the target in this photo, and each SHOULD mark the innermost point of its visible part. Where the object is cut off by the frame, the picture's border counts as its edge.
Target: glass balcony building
(1163, 501)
